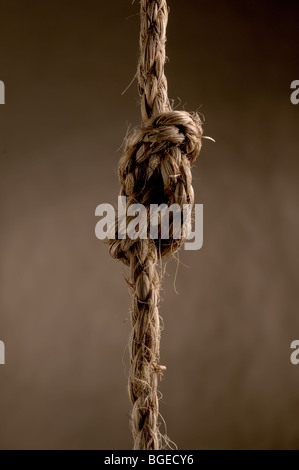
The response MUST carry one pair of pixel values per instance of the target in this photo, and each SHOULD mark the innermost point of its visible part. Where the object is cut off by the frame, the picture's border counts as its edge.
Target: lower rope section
(144, 346)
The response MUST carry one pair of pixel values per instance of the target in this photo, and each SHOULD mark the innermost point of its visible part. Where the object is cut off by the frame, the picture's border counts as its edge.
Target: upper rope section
(152, 83)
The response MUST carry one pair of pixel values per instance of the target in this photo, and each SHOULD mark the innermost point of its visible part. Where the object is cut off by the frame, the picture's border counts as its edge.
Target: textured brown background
(64, 303)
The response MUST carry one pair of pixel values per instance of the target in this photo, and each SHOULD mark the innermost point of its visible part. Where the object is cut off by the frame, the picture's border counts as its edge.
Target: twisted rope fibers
(154, 168)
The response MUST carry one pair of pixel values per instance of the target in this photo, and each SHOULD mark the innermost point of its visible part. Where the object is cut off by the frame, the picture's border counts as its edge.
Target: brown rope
(154, 168)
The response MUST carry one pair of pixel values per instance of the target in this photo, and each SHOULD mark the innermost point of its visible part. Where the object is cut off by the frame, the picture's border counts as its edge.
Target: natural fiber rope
(154, 168)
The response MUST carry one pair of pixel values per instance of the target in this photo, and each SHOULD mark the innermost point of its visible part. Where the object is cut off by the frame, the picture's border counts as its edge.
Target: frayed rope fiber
(154, 169)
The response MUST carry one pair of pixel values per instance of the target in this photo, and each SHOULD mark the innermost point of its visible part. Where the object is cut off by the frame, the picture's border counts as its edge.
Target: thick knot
(155, 168)
(165, 147)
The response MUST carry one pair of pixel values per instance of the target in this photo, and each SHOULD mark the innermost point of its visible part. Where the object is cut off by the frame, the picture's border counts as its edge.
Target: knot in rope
(161, 152)
(155, 168)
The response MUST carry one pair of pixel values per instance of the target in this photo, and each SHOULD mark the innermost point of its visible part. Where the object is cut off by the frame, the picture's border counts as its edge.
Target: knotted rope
(154, 169)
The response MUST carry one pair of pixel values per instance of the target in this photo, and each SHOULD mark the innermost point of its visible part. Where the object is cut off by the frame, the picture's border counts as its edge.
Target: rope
(154, 169)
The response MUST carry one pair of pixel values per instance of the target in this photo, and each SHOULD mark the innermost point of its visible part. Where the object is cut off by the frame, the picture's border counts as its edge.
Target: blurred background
(64, 319)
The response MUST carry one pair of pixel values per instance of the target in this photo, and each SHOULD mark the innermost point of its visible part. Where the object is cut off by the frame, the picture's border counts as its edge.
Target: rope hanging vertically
(154, 169)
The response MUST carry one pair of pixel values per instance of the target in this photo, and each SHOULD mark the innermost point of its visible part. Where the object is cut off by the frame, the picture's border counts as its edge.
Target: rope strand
(152, 82)
(154, 169)
(144, 347)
